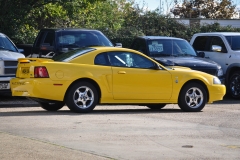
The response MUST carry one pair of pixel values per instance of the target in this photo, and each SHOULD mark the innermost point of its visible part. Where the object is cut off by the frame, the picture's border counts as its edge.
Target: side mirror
(118, 45)
(216, 48)
(201, 54)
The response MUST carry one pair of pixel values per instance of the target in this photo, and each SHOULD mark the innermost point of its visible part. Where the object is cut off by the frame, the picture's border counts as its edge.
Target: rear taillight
(41, 72)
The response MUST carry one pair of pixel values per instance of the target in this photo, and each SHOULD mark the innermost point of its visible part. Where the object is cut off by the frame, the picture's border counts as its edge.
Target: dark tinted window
(39, 38)
(71, 55)
(200, 43)
(49, 39)
(82, 39)
(140, 45)
(234, 42)
(102, 59)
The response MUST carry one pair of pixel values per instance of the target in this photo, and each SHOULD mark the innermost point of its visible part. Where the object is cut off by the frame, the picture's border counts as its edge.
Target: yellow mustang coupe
(83, 78)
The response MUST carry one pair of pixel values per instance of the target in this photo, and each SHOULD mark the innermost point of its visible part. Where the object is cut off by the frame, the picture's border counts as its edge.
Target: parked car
(50, 42)
(172, 51)
(9, 55)
(83, 78)
(223, 48)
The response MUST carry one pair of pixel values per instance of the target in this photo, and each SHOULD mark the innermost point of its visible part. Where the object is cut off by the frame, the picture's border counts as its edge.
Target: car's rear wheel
(234, 85)
(82, 97)
(192, 98)
(52, 106)
(156, 106)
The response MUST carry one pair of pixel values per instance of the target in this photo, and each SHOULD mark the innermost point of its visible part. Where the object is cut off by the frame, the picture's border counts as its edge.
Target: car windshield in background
(234, 42)
(169, 47)
(73, 39)
(65, 57)
(6, 44)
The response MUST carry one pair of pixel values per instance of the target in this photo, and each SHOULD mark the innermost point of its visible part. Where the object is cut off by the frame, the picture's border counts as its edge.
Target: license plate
(25, 70)
(4, 86)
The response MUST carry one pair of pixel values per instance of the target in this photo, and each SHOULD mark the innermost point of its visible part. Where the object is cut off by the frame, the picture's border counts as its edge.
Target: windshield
(77, 39)
(234, 42)
(169, 47)
(6, 44)
(71, 55)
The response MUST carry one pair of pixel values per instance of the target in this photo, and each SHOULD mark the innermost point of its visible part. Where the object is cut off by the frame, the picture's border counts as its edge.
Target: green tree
(206, 8)
(20, 18)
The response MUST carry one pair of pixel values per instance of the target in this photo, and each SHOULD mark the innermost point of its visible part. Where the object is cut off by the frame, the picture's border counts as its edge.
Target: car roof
(219, 33)
(68, 29)
(3, 35)
(158, 37)
(106, 48)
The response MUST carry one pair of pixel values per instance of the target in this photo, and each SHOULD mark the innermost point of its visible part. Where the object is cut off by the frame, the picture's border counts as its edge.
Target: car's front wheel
(52, 106)
(192, 98)
(82, 97)
(234, 85)
(156, 106)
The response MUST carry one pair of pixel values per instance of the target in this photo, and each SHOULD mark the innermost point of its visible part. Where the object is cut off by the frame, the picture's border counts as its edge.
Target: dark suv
(50, 42)
(171, 51)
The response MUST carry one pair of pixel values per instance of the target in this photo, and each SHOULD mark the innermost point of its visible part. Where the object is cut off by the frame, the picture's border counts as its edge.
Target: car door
(136, 78)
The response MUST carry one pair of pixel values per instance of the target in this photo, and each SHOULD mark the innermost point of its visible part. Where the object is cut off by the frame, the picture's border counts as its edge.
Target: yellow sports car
(83, 78)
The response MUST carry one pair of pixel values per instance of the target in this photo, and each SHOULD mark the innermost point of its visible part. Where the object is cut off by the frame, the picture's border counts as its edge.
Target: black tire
(234, 85)
(192, 98)
(156, 106)
(52, 106)
(82, 97)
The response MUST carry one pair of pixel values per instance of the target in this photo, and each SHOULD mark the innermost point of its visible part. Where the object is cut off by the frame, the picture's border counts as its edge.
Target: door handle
(121, 72)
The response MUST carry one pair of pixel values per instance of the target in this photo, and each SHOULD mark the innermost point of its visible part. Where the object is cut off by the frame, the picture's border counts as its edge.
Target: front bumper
(216, 92)
(5, 85)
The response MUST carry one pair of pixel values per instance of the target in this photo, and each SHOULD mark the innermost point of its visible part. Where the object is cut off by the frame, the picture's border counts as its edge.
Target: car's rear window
(82, 38)
(72, 54)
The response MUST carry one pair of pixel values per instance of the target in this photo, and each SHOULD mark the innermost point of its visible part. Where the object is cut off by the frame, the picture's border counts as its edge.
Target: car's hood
(4, 54)
(191, 62)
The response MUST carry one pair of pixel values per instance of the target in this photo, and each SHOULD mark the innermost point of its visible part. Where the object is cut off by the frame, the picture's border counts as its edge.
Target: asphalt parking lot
(119, 132)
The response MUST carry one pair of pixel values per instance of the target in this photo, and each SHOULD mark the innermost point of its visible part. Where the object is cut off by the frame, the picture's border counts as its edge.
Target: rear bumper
(38, 88)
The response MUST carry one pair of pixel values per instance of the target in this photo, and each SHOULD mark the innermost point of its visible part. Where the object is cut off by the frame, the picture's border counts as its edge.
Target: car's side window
(200, 42)
(217, 41)
(131, 60)
(102, 59)
(39, 38)
(140, 45)
(49, 39)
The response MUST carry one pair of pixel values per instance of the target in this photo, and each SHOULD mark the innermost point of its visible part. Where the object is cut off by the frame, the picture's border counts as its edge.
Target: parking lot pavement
(13, 147)
(121, 132)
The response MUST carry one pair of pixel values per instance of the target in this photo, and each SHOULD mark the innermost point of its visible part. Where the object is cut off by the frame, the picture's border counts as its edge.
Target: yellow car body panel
(117, 85)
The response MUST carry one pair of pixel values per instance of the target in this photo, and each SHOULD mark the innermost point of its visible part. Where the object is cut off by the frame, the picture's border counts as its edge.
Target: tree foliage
(205, 8)
(19, 18)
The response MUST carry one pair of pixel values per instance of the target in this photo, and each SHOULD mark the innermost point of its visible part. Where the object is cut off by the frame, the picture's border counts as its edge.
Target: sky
(154, 4)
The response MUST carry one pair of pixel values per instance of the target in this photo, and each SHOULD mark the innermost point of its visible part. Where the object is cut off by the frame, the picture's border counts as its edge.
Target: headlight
(220, 72)
(216, 81)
